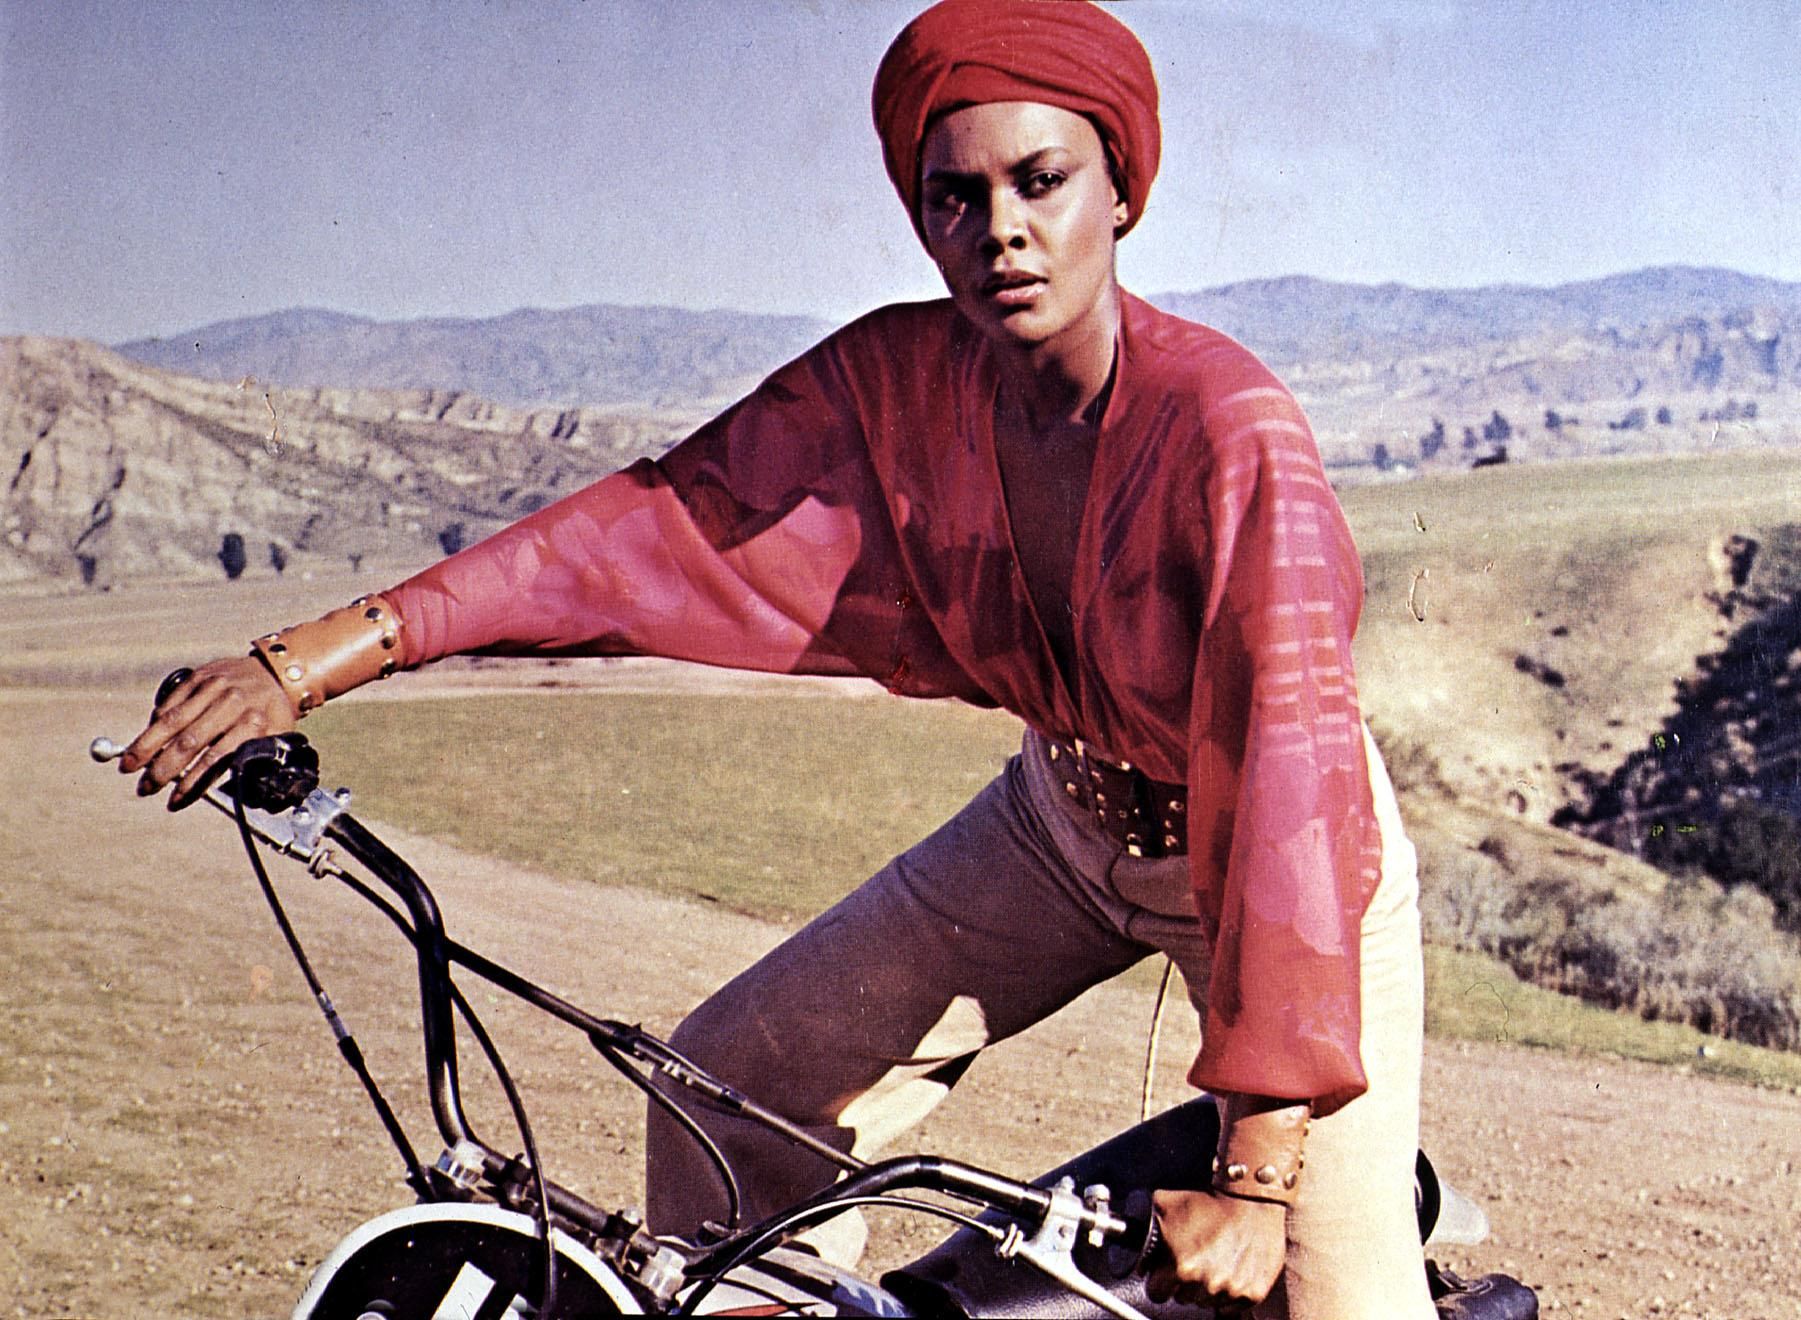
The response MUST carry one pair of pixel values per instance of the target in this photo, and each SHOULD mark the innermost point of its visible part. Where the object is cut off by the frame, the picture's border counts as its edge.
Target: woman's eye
(1044, 181)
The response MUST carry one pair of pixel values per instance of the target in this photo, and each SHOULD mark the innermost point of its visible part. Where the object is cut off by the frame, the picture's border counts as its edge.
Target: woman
(1042, 494)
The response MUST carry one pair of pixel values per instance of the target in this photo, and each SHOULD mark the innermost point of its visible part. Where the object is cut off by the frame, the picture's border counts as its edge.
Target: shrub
(231, 555)
(1698, 953)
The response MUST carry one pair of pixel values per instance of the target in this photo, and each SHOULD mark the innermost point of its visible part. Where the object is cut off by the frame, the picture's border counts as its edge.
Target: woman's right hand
(222, 706)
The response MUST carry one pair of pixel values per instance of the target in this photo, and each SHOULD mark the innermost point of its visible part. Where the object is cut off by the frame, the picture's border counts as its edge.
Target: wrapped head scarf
(1067, 53)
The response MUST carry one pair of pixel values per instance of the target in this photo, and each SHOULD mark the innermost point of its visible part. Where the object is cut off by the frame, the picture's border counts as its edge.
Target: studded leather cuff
(1259, 1156)
(346, 648)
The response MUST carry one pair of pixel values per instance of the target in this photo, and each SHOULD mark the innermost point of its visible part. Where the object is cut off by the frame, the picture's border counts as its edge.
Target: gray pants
(859, 1024)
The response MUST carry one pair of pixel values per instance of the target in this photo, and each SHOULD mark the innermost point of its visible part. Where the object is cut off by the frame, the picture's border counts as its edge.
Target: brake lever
(1050, 1248)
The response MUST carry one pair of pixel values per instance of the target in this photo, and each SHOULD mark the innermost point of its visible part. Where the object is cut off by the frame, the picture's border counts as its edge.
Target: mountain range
(654, 356)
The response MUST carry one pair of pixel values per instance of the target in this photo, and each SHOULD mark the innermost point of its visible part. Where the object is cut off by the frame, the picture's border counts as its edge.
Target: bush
(1759, 846)
(1433, 442)
(231, 555)
(1695, 956)
(1699, 953)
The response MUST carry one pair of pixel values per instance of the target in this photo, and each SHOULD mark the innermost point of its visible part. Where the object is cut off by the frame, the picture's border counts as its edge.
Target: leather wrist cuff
(317, 661)
(1259, 1156)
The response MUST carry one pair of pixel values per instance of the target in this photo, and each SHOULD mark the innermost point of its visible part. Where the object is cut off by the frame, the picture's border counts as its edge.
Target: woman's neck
(1057, 380)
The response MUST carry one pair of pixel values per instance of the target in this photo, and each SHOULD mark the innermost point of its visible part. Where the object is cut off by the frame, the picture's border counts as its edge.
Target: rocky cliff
(114, 468)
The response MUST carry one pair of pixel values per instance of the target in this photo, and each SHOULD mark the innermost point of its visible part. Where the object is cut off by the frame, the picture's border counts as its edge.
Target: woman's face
(1019, 212)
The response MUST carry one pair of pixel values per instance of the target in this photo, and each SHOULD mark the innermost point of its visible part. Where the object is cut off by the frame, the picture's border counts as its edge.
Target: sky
(168, 165)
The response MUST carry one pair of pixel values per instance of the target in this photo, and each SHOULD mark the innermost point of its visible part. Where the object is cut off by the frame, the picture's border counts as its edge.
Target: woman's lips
(1015, 289)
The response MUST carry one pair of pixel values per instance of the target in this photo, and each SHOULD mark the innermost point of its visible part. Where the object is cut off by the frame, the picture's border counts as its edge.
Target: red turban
(1066, 53)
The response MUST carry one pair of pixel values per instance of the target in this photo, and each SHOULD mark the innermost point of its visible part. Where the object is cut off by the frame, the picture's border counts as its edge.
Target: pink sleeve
(1276, 725)
(733, 549)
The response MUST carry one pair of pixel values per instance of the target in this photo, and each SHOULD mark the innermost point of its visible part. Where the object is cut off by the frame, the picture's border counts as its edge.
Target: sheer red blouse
(847, 518)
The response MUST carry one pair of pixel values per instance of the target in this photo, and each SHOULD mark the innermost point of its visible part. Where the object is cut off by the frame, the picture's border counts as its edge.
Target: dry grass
(1598, 574)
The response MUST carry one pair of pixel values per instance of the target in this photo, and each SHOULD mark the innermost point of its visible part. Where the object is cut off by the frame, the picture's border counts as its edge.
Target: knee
(704, 1036)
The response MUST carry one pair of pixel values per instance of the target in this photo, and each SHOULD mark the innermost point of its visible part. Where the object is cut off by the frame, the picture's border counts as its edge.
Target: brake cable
(612, 1045)
(347, 1044)
(801, 1216)
(722, 1166)
(416, 1177)
(1150, 1044)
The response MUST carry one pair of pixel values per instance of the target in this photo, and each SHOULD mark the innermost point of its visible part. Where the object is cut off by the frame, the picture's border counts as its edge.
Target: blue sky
(170, 164)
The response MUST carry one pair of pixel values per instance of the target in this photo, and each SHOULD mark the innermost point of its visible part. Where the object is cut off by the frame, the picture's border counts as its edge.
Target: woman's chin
(1010, 327)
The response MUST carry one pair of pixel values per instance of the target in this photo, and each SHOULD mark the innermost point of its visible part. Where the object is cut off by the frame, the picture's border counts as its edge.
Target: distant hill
(579, 357)
(1302, 320)
(314, 431)
(1669, 359)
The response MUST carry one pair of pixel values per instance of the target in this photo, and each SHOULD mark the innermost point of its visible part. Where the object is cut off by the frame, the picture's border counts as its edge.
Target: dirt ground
(178, 1138)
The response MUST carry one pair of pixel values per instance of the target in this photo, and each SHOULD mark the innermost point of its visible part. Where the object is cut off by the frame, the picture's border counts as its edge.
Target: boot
(1491, 1297)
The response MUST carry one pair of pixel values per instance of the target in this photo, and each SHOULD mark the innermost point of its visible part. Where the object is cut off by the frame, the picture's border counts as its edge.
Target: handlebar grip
(171, 681)
(1141, 1247)
(274, 773)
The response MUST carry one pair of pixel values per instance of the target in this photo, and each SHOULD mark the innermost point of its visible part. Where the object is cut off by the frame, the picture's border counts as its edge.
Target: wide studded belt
(1147, 816)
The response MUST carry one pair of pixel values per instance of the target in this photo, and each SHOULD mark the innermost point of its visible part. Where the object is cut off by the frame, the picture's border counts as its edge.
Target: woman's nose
(1006, 220)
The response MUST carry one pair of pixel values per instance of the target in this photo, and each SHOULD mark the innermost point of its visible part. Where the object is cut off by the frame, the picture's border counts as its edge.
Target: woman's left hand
(1219, 1249)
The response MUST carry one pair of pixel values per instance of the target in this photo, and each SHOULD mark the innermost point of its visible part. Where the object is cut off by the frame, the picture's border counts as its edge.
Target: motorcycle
(492, 1237)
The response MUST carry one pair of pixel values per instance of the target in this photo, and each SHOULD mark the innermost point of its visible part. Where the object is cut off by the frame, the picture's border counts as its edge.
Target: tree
(452, 538)
(1497, 429)
(231, 555)
(1760, 845)
(1664, 416)
(1380, 458)
(278, 558)
(1553, 421)
(1433, 441)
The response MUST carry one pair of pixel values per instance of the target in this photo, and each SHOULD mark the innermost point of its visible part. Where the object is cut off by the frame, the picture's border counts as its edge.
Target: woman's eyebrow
(1024, 165)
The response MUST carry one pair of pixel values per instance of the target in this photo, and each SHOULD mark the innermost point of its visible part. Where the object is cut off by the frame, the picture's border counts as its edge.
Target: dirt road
(177, 1137)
